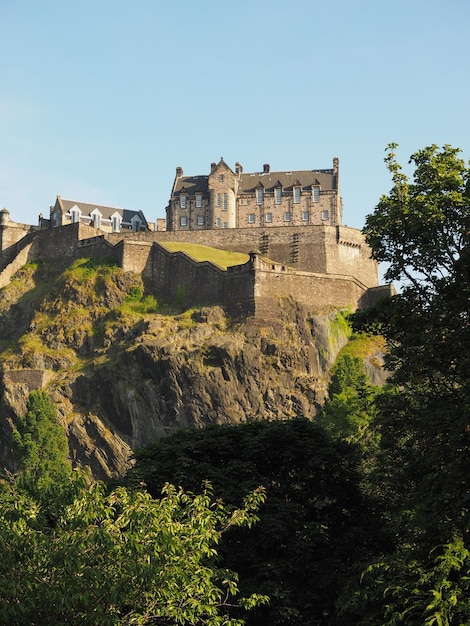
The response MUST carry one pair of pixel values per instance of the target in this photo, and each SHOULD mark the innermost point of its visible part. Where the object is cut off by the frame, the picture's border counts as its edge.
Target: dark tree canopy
(314, 525)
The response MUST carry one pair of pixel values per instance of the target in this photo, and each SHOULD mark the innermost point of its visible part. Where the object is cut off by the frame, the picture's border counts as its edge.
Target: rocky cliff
(125, 370)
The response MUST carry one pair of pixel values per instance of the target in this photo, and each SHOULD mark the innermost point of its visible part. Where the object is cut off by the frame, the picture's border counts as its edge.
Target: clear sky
(100, 100)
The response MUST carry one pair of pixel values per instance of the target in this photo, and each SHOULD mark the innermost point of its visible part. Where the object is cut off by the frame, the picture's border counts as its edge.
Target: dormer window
(183, 200)
(259, 196)
(316, 194)
(278, 195)
(116, 222)
(297, 195)
(96, 218)
(136, 224)
(75, 215)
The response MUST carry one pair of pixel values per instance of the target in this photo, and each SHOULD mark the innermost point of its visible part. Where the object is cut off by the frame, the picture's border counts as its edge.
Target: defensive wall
(322, 249)
(323, 267)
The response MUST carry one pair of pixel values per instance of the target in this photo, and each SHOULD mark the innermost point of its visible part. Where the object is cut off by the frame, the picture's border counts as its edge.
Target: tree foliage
(315, 525)
(120, 558)
(41, 448)
(421, 229)
(349, 410)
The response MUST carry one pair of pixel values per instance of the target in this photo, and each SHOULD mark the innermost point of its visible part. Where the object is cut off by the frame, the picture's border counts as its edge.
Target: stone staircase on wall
(24, 252)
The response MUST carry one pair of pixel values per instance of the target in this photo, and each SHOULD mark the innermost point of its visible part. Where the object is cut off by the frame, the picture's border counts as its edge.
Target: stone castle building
(288, 224)
(235, 199)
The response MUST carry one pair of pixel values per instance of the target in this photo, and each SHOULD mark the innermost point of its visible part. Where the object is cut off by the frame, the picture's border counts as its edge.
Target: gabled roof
(305, 178)
(248, 182)
(191, 184)
(106, 211)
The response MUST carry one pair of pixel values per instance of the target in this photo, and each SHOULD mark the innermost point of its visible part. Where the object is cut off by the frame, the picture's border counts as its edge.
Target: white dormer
(116, 221)
(75, 214)
(96, 217)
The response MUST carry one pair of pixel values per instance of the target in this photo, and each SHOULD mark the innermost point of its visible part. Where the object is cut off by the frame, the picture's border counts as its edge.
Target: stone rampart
(32, 379)
(324, 267)
(322, 249)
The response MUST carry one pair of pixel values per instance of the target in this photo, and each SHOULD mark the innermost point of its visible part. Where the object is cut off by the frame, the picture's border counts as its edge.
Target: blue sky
(100, 100)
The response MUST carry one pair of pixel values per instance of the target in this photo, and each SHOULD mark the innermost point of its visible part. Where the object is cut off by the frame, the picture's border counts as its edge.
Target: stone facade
(227, 199)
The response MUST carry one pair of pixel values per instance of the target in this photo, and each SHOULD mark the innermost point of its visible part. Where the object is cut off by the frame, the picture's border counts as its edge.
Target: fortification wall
(63, 242)
(12, 232)
(248, 289)
(323, 267)
(321, 249)
(32, 379)
(176, 277)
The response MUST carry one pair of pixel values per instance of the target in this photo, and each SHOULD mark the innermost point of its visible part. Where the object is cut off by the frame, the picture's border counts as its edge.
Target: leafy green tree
(120, 558)
(421, 229)
(350, 408)
(41, 448)
(316, 523)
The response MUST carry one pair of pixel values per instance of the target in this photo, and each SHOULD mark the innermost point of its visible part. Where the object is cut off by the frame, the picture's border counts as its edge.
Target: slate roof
(305, 178)
(249, 181)
(106, 211)
(192, 184)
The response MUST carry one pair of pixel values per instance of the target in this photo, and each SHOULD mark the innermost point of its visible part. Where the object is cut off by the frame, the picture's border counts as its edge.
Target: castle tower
(222, 186)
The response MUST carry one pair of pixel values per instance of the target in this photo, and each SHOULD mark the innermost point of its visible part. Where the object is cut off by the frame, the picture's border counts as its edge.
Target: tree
(421, 229)
(315, 526)
(349, 410)
(120, 558)
(40, 446)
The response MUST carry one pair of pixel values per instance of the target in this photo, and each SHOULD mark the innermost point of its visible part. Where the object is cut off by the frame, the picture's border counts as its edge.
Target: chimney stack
(179, 172)
(213, 166)
(266, 168)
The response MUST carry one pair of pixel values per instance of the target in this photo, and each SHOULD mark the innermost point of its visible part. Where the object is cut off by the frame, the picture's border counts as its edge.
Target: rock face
(124, 373)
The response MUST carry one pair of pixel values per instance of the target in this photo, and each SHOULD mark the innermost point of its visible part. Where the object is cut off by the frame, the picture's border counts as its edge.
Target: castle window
(96, 219)
(296, 195)
(74, 215)
(225, 225)
(116, 223)
(305, 216)
(198, 200)
(224, 208)
(183, 221)
(221, 178)
(278, 195)
(217, 222)
(316, 194)
(287, 217)
(136, 224)
(259, 196)
(251, 218)
(325, 215)
(218, 199)
(183, 201)
(200, 220)
(268, 218)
